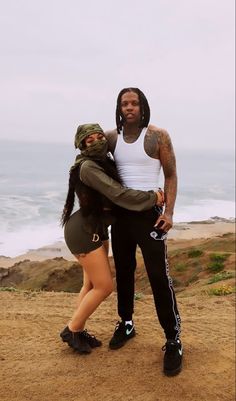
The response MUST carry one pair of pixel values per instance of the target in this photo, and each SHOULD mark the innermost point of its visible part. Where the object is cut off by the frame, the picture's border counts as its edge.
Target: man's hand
(164, 222)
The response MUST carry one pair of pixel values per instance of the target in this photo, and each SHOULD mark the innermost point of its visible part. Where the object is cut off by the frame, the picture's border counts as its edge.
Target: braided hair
(144, 109)
(70, 198)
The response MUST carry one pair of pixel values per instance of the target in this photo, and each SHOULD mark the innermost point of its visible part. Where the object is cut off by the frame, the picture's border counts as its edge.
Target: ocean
(33, 186)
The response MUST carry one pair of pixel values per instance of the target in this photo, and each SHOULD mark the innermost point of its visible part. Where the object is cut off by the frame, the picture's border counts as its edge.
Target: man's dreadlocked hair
(144, 109)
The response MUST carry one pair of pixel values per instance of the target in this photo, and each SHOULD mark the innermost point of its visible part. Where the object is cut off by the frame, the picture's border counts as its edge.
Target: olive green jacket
(94, 176)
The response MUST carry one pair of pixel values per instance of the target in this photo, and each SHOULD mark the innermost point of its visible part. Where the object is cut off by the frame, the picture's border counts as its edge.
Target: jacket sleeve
(94, 176)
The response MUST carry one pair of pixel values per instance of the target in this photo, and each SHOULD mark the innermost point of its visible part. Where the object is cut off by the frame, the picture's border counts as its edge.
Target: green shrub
(220, 276)
(216, 267)
(217, 262)
(138, 295)
(222, 290)
(194, 253)
(10, 289)
(181, 267)
(219, 257)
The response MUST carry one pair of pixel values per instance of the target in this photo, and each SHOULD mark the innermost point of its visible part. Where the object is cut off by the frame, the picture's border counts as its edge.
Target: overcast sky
(63, 63)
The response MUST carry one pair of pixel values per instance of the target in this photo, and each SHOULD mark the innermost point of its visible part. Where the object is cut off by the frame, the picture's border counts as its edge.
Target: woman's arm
(94, 176)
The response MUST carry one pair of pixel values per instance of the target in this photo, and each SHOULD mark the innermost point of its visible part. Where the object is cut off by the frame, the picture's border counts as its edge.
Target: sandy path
(35, 365)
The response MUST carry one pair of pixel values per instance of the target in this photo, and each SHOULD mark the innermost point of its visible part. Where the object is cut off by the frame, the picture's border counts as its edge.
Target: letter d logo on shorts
(95, 238)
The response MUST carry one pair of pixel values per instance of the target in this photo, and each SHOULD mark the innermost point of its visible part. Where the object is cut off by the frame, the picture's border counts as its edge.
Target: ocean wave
(33, 193)
(29, 237)
(203, 210)
(16, 240)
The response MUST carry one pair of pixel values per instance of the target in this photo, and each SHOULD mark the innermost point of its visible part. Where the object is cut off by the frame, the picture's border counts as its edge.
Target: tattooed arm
(167, 158)
(165, 152)
(112, 138)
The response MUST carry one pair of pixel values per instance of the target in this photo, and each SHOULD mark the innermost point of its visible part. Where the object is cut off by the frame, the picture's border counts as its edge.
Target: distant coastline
(216, 226)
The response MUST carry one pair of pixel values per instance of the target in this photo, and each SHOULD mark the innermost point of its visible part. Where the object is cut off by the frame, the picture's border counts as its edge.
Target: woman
(95, 181)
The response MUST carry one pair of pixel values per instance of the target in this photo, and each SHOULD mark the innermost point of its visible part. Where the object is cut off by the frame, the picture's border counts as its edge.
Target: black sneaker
(91, 340)
(123, 332)
(75, 340)
(173, 357)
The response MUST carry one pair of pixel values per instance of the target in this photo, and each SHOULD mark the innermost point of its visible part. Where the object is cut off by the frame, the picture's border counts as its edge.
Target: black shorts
(80, 238)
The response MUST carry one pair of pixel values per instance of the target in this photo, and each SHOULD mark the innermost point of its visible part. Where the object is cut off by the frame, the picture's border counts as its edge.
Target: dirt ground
(35, 365)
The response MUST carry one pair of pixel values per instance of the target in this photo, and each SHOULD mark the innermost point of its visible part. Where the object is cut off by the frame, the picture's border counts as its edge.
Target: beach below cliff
(181, 231)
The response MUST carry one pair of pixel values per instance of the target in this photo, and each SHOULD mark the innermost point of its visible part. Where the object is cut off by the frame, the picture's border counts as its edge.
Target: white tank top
(136, 168)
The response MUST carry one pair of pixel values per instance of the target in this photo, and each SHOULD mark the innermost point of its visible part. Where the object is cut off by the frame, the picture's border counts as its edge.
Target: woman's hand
(160, 197)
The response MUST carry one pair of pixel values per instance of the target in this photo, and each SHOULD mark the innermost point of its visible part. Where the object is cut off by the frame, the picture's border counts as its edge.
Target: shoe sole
(95, 346)
(98, 344)
(122, 343)
(172, 372)
(82, 352)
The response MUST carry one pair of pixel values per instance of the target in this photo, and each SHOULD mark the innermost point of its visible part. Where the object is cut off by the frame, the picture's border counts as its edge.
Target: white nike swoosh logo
(129, 331)
(181, 351)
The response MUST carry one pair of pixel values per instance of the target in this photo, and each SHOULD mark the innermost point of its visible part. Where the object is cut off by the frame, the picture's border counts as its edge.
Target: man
(140, 151)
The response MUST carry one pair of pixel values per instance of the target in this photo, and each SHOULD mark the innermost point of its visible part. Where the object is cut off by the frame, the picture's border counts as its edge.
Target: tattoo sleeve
(112, 138)
(167, 158)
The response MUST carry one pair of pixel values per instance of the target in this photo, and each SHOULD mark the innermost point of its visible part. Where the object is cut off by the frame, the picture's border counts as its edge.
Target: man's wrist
(168, 213)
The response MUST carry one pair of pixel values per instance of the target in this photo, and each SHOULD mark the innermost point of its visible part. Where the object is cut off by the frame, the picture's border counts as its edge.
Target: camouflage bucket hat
(85, 130)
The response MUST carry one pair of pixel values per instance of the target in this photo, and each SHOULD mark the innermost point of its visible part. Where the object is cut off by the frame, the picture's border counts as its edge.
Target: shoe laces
(170, 346)
(119, 326)
(87, 335)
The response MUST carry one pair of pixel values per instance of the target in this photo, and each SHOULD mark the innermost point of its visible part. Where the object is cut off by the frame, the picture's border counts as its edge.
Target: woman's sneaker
(91, 339)
(75, 340)
(123, 332)
(173, 357)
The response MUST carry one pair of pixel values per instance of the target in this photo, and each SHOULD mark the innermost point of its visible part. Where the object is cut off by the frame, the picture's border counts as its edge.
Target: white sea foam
(19, 242)
(27, 237)
(204, 210)
(33, 194)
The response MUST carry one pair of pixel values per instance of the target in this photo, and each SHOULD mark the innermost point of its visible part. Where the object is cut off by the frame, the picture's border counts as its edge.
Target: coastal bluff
(38, 297)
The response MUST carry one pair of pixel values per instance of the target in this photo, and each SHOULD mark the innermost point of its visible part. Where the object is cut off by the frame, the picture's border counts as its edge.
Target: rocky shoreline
(181, 231)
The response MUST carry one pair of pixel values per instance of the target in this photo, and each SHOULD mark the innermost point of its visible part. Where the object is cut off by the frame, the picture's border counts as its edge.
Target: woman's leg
(97, 270)
(87, 286)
